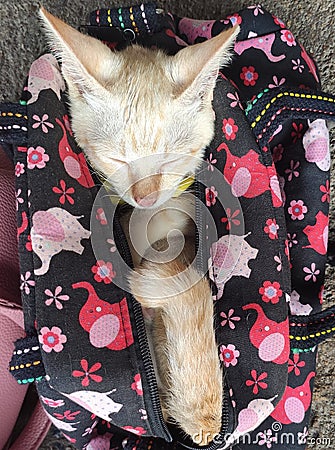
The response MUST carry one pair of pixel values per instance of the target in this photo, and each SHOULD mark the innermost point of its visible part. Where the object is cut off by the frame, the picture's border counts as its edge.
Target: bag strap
(265, 113)
(13, 123)
(272, 107)
(308, 331)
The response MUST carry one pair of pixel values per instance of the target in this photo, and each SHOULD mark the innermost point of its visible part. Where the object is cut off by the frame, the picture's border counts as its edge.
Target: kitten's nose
(148, 200)
(146, 190)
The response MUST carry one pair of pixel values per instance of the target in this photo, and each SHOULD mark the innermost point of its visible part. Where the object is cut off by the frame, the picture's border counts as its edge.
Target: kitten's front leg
(184, 347)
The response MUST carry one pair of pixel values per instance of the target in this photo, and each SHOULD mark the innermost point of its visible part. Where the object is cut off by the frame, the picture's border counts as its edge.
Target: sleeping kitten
(143, 120)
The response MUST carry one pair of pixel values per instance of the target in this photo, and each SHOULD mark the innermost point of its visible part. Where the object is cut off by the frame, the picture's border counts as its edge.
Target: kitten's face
(143, 118)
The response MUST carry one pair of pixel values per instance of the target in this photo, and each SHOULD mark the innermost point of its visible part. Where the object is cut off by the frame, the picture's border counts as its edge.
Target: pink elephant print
(45, 74)
(294, 403)
(316, 144)
(196, 28)
(263, 43)
(55, 230)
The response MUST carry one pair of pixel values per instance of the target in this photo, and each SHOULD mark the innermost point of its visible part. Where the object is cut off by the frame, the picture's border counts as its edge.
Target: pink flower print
(297, 132)
(291, 239)
(36, 157)
(297, 209)
(231, 218)
(296, 65)
(68, 415)
(326, 192)
(236, 100)
(56, 297)
(279, 22)
(19, 169)
(257, 9)
(271, 228)
(278, 260)
(88, 373)
(42, 122)
(65, 193)
(287, 37)
(229, 319)
(311, 272)
(270, 292)
(137, 385)
(211, 195)
(19, 200)
(233, 19)
(249, 76)
(112, 247)
(210, 161)
(103, 272)
(52, 403)
(276, 83)
(52, 339)
(138, 430)
(229, 128)
(295, 364)
(101, 216)
(266, 438)
(26, 283)
(292, 171)
(256, 381)
(278, 153)
(229, 355)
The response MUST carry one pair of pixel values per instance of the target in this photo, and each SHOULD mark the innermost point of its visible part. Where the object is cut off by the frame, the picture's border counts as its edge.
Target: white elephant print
(55, 230)
(99, 403)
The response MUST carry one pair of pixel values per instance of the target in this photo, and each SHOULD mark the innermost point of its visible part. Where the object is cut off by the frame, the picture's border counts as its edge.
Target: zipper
(158, 425)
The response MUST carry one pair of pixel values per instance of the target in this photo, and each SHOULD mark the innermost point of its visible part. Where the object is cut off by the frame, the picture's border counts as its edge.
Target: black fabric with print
(266, 220)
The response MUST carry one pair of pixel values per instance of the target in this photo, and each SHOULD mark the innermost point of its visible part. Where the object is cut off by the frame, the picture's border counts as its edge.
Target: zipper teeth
(144, 347)
(149, 370)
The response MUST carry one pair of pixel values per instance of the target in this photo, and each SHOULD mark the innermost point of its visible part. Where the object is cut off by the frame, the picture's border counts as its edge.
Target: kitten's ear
(195, 68)
(86, 62)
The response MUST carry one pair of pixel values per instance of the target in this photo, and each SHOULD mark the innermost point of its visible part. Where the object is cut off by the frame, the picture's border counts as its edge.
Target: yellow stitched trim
(10, 114)
(109, 19)
(311, 336)
(290, 94)
(132, 18)
(22, 366)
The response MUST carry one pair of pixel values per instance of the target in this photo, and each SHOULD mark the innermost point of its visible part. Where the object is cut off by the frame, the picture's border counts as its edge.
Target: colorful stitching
(286, 94)
(132, 18)
(10, 114)
(120, 17)
(313, 335)
(22, 366)
(109, 19)
(144, 18)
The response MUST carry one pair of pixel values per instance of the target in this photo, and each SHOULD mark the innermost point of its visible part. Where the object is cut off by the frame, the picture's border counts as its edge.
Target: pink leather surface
(12, 394)
(34, 432)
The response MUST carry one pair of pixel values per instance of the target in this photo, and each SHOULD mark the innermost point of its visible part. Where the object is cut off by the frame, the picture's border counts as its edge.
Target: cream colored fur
(144, 119)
